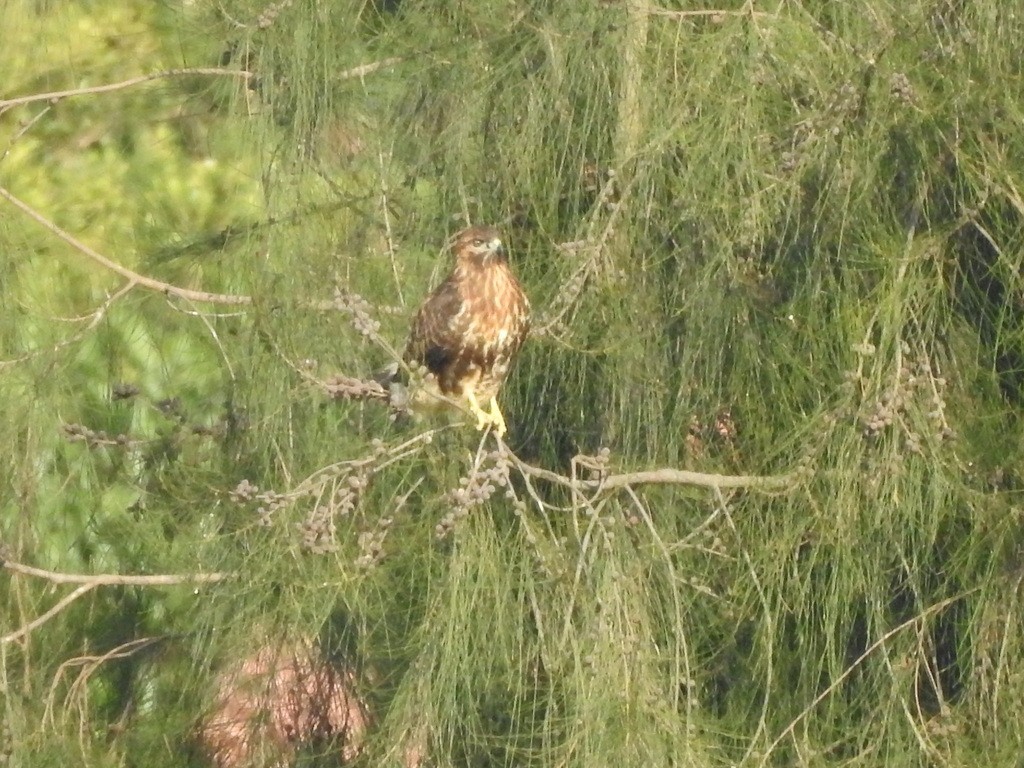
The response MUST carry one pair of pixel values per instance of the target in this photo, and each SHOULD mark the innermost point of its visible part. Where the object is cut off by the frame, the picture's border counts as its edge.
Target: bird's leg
(497, 419)
(482, 417)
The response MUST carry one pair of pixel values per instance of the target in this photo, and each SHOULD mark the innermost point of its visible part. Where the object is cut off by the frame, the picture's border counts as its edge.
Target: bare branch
(365, 69)
(389, 236)
(112, 579)
(762, 723)
(714, 14)
(89, 582)
(348, 74)
(663, 476)
(61, 604)
(25, 128)
(608, 198)
(137, 279)
(120, 86)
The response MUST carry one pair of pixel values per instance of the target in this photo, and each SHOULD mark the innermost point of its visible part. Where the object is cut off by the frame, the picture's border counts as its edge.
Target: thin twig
(95, 317)
(120, 86)
(713, 13)
(387, 227)
(313, 482)
(768, 630)
(146, 282)
(89, 582)
(91, 664)
(567, 298)
(939, 606)
(685, 673)
(223, 352)
(25, 128)
(112, 579)
(364, 69)
(346, 74)
(60, 605)
(581, 562)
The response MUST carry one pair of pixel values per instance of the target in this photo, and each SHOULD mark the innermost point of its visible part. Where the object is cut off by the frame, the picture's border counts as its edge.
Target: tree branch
(135, 278)
(61, 604)
(664, 476)
(715, 14)
(89, 582)
(109, 87)
(629, 123)
(347, 74)
(365, 69)
(112, 579)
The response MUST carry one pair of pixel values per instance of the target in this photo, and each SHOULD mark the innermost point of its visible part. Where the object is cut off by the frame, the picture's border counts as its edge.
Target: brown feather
(470, 328)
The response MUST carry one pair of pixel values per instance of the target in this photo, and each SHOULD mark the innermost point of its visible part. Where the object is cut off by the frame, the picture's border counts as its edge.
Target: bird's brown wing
(524, 319)
(433, 340)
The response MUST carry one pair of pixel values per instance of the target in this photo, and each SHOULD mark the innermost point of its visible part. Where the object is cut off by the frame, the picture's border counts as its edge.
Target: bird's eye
(478, 242)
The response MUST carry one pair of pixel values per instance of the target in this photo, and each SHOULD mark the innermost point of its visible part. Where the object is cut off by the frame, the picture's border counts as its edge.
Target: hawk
(470, 328)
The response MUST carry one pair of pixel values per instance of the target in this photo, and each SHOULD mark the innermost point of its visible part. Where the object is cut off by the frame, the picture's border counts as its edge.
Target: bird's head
(478, 246)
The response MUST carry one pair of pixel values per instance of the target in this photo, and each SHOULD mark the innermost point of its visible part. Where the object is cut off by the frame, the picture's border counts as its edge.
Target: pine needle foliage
(761, 239)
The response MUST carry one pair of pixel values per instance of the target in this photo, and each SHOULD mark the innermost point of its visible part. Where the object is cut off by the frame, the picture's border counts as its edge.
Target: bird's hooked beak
(496, 249)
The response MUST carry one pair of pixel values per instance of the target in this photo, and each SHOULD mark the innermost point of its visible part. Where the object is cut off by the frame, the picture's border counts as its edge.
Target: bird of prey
(470, 328)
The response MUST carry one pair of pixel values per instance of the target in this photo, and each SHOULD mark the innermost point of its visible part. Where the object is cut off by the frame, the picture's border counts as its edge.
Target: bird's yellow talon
(497, 418)
(482, 417)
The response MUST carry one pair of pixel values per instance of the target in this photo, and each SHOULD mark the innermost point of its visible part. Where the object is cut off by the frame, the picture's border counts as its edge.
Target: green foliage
(777, 240)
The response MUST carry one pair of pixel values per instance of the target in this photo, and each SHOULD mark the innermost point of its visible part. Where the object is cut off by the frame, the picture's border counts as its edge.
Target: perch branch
(134, 278)
(663, 476)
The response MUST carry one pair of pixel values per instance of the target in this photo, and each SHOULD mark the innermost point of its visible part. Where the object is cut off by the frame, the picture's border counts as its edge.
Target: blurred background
(776, 243)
